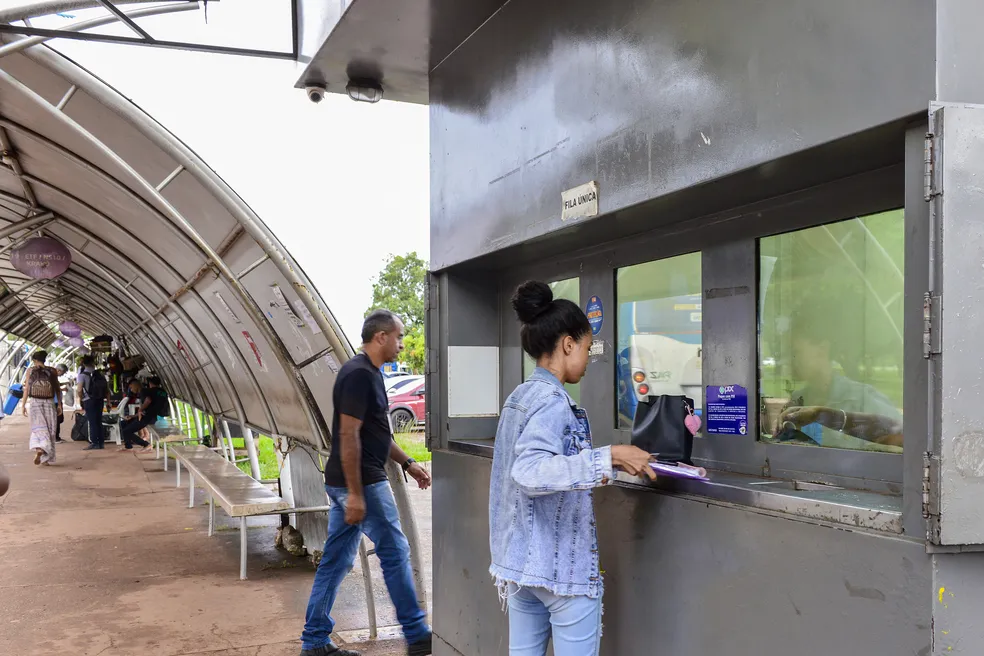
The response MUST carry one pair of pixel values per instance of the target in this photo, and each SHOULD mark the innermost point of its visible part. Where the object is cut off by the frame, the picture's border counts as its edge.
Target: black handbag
(660, 428)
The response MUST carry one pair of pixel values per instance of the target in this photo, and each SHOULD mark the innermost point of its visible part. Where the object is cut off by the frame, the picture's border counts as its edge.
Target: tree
(400, 288)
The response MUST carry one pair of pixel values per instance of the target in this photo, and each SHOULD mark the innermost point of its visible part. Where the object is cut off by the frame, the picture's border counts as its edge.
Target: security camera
(316, 92)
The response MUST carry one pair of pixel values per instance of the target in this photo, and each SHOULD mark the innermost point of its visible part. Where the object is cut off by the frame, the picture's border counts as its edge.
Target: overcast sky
(342, 184)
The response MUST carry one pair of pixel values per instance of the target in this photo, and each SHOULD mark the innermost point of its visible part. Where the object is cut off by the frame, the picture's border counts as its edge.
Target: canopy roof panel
(165, 255)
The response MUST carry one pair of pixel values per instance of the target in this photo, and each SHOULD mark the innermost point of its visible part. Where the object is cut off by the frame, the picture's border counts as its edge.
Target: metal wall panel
(152, 163)
(651, 97)
(695, 578)
(273, 380)
(212, 221)
(301, 340)
(959, 202)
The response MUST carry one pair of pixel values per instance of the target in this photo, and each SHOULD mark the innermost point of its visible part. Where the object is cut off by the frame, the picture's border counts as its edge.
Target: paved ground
(100, 556)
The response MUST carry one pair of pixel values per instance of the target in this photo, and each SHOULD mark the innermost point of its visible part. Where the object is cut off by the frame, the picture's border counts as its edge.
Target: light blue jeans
(382, 525)
(535, 613)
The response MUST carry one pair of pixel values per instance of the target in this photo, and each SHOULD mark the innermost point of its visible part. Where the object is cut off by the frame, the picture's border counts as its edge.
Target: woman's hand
(632, 460)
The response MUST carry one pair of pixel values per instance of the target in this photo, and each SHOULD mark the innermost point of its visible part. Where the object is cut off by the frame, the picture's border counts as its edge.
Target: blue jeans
(533, 612)
(382, 526)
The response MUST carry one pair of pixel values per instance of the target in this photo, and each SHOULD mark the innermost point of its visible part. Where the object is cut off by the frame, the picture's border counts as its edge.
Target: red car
(408, 407)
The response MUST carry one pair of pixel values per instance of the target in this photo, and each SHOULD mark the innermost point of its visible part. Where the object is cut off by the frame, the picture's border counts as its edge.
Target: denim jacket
(542, 526)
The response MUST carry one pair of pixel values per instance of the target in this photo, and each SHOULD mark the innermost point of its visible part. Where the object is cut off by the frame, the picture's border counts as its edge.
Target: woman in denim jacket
(542, 527)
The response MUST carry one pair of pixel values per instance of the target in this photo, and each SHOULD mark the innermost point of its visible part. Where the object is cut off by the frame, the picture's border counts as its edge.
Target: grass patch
(413, 444)
(266, 454)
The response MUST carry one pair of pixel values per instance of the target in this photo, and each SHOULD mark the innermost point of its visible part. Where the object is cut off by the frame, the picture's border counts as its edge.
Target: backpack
(97, 386)
(39, 383)
(80, 431)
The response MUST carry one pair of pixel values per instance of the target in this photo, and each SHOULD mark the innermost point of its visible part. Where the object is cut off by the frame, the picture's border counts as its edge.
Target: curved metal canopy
(164, 254)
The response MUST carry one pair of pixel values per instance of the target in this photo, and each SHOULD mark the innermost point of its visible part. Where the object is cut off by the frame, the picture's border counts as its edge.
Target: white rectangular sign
(580, 202)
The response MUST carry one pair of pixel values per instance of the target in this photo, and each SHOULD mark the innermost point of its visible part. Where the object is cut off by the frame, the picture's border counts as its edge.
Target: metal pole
(187, 417)
(409, 522)
(242, 548)
(38, 8)
(251, 452)
(228, 437)
(367, 578)
(198, 425)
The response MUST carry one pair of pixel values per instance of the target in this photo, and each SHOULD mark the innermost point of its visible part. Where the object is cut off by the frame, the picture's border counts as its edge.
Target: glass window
(659, 332)
(569, 289)
(830, 334)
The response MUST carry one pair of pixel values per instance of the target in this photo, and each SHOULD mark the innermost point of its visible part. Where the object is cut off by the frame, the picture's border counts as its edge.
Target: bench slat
(238, 494)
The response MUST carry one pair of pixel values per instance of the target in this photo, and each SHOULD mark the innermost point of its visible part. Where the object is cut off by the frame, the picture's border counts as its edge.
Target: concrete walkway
(100, 556)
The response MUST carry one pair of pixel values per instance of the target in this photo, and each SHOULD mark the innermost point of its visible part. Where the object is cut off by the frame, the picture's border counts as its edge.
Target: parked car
(400, 382)
(408, 407)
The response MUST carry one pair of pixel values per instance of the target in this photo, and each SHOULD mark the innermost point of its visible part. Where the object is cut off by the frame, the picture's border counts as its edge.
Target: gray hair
(378, 321)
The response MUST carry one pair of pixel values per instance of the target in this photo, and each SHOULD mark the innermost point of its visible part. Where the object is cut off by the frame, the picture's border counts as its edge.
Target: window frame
(727, 242)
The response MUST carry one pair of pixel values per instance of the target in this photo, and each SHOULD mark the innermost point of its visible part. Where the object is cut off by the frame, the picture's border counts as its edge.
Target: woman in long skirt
(42, 391)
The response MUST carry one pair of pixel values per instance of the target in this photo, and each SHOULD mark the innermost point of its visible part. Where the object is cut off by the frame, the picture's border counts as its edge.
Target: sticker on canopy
(280, 301)
(596, 314)
(256, 350)
(184, 352)
(228, 309)
(308, 317)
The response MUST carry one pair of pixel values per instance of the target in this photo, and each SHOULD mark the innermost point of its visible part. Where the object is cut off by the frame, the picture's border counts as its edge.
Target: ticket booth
(774, 209)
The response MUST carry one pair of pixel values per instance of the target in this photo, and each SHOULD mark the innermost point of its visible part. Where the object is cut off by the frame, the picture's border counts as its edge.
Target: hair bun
(532, 299)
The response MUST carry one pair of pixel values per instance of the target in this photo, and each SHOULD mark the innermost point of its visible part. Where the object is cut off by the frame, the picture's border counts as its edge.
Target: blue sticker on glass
(727, 410)
(596, 314)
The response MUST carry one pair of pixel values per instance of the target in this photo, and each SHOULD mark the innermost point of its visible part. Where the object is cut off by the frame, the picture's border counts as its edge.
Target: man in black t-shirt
(361, 498)
(151, 400)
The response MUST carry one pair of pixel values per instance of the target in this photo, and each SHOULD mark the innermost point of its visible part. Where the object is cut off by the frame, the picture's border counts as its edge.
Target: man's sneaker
(329, 650)
(420, 648)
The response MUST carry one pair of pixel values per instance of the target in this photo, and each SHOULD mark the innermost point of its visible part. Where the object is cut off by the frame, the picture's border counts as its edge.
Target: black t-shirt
(159, 406)
(149, 413)
(359, 393)
(158, 403)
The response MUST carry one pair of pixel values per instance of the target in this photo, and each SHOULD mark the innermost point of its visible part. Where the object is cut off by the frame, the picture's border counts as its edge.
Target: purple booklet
(679, 471)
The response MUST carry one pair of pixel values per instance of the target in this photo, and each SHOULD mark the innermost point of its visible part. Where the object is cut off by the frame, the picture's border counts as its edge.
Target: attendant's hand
(800, 416)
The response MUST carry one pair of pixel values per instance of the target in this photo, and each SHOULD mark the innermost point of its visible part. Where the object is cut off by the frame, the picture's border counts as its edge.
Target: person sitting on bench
(153, 398)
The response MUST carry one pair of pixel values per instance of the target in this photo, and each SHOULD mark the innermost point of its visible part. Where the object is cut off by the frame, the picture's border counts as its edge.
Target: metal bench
(239, 494)
(162, 437)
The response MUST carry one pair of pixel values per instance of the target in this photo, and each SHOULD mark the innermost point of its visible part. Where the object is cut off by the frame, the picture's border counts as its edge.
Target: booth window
(659, 332)
(830, 334)
(570, 290)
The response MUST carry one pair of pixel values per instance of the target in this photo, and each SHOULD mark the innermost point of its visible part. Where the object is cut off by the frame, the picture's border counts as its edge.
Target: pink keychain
(692, 421)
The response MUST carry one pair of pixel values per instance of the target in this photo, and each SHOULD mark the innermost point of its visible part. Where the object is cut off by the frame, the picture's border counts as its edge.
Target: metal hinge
(932, 333)
(931, 184)
(927, 459)
(930, 496)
